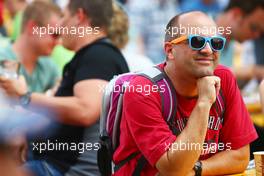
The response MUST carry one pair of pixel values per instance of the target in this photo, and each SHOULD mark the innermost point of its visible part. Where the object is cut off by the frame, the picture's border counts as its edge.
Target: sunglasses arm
(179, 39)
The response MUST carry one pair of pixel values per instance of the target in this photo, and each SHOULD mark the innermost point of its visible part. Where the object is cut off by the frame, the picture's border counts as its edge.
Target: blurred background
(146, 34)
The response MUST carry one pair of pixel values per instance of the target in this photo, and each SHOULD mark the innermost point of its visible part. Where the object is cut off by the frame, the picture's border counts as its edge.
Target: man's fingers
(3, 79)
(217, 84)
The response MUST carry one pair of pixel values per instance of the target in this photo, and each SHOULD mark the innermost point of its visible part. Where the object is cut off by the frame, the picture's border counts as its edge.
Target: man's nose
(207, 49)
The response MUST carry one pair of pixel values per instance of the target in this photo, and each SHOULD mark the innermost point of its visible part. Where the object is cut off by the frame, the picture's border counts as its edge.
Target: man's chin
(203, 73)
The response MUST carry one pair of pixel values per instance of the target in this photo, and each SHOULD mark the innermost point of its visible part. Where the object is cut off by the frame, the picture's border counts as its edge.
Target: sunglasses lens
(197, 42)
(217, 43)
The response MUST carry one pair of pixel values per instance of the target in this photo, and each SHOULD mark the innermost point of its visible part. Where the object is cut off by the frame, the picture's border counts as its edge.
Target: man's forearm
(68, 110)
(193, 133)
(243, 73)
(227, 162)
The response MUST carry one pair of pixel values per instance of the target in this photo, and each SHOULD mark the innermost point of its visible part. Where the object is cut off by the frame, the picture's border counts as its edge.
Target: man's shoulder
(143, 77)
(223, 71)
(102, 48)
(102, 52)
(140, 80)
(140, 88)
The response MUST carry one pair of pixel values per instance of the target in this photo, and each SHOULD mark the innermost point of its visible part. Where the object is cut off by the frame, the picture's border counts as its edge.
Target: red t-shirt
(144, 130)
(1, 12)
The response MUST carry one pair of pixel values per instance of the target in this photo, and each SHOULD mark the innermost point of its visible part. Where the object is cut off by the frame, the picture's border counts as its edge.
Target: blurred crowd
(243, 54)
(41, 64)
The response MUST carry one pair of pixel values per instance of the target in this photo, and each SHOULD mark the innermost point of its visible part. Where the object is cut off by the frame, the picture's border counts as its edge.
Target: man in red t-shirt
(207, 144)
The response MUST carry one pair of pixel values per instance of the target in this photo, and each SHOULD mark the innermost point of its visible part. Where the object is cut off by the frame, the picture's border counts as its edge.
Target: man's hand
(208, 88)
(14, 88)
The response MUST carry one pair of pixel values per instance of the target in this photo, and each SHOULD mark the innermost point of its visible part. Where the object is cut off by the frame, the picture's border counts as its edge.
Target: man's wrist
(202, 104)
(24, 100)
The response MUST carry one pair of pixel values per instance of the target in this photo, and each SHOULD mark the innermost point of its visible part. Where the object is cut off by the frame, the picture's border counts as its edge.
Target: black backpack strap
(140, 165)
(123, 162)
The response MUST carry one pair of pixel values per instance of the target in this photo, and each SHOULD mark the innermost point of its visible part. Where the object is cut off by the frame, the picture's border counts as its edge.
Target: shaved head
(189, 20)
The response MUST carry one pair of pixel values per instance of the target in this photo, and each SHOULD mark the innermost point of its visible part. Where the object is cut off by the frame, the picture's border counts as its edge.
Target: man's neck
(183, 84)
(88, 39)
(25, 53)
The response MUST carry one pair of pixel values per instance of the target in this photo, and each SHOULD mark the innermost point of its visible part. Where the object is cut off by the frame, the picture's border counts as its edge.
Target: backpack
(111, 113)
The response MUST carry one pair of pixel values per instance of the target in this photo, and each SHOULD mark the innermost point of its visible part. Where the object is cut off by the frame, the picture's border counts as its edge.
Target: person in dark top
(72, 149)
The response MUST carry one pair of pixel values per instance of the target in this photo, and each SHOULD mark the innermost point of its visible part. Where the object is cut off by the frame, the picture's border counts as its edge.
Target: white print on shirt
(213, 123)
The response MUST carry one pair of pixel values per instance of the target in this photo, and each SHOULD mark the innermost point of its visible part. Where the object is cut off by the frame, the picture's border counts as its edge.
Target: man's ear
(168, 50)
(82, 17)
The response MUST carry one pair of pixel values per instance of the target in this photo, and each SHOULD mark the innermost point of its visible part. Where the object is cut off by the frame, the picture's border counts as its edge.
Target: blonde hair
(118, 30)
(39, 11)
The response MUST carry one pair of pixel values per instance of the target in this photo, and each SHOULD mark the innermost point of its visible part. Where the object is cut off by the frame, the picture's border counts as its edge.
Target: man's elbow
(87, 117)
(242, 157)
(244, 160)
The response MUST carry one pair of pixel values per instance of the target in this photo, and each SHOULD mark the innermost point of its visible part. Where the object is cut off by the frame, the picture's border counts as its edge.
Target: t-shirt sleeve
(238, 129)
(142, 113)
(98, 63)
